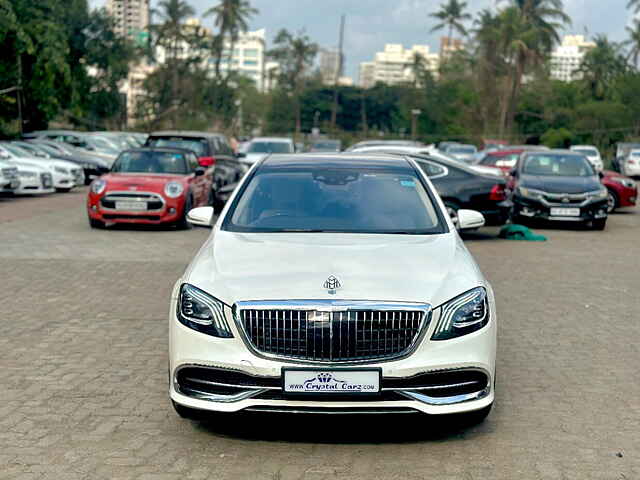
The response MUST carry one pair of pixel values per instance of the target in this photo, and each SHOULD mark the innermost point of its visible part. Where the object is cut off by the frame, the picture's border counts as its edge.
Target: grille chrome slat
(317, 331)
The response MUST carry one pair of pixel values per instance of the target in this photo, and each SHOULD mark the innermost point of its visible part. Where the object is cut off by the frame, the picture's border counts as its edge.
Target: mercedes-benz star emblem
(332, 284)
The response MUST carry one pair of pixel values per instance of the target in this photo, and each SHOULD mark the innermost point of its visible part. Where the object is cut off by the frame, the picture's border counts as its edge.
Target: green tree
(295, 54)
(231, 17)
(451, 16)
(634, 42)
(601, 66)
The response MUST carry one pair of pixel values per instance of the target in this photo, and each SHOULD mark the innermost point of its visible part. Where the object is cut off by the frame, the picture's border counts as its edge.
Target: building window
(250, 63)
(251, 52)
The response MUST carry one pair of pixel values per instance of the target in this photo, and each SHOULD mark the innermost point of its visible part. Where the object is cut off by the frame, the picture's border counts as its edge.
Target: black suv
(212, 149)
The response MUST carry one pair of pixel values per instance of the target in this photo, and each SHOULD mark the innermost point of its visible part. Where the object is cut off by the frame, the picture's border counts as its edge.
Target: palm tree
(231, 19)
(601, 66)
(418, 67)
(528, 32)
(295, 54)
(634, 5)
(171, 34)
(451, 16)
(634, 42)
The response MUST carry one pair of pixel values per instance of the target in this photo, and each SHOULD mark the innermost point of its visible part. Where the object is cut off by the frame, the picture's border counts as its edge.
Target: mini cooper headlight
(464, 314)
(173, 189)
(200, 311)
(98, 186)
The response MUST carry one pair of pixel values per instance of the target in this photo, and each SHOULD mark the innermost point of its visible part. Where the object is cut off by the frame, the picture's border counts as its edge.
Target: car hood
(139, 181)
(294, 266)
(25, 165)
(551, 184)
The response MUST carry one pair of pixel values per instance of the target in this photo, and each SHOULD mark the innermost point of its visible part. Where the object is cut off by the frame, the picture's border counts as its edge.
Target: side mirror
(200, 217)
(200, 171)
(470, 219)
(206, 161)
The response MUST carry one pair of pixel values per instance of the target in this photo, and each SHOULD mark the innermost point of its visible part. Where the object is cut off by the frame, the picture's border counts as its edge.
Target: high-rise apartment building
(393, 65)
(131, 17)
(567, 57)
(331, 67)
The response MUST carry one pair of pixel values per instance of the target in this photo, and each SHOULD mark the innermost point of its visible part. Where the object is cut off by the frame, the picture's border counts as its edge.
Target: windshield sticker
(407, 183)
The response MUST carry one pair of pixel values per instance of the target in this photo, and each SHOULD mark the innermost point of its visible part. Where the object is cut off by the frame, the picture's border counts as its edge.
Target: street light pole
(415, 113)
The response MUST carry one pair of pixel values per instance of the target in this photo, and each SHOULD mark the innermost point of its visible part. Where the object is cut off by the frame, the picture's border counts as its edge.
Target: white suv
(592, 154)
(333, 284)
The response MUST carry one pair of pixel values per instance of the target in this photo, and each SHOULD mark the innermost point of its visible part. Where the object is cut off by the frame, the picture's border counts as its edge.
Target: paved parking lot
(83, 341)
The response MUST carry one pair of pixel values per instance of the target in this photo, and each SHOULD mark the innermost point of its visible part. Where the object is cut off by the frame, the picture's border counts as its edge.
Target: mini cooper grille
(340, 336)
(152, 201)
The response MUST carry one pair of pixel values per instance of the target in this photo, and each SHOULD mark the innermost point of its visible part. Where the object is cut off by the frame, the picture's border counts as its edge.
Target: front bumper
(529, 208)
(33, 186)
(238, 379)
(9, 185)
(171, 211)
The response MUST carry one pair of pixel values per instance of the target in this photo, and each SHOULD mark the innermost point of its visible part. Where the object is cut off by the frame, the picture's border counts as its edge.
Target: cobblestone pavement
(83, 358)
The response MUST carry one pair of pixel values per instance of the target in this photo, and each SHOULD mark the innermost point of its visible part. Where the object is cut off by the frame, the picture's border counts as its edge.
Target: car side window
(432, 170)
(193, 162)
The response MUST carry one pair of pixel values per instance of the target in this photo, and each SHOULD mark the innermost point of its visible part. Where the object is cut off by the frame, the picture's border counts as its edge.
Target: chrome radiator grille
(333, 331)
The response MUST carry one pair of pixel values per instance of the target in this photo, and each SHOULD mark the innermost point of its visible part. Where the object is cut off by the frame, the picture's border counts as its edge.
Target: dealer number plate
(565, 212)
(131, 206)
(331, 381)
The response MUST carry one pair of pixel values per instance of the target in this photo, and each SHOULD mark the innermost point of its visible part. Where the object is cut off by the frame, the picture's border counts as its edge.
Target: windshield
(590, 152)
(197, 145)
(326, 146)
(461, 150)
(151, 162)
(316, 199)
(501, 160)
(17, 151)
(557, 165)
(270, 147)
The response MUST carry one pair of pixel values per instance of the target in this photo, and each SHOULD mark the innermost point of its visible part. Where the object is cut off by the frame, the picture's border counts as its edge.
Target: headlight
(530, 193)
(200, 311)
(463, 315)
(173, 189)
(64, 171)
(627, 182)
(598, 194)
(98, 186)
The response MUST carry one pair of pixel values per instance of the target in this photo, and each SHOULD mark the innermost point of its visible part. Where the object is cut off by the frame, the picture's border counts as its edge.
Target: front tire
(612, 201)
(183, 224)
(98, 224)
(599, 224)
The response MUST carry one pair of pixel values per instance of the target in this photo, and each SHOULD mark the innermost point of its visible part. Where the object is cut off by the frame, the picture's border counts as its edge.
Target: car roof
(184, 133)
(557, 151)
(159, 149)
(338, 160)
(271, 139)
(504, 153)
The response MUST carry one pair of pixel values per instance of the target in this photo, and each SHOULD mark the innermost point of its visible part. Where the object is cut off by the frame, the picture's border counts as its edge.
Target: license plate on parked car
(331, 381)
(131, 206)
(565, 212)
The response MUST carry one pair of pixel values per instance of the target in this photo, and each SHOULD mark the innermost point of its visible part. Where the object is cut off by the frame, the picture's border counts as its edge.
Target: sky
(370, 24)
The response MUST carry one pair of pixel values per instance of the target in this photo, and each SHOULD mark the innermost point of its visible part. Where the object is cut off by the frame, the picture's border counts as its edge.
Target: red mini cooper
(150, 186)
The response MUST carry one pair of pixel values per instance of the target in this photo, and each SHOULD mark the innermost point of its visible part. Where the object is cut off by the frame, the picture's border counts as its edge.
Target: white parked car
(261, 147)
(333, 283)
(592, 154)
(631, 167)
(32, 179)
(9, 181)
(65, 175)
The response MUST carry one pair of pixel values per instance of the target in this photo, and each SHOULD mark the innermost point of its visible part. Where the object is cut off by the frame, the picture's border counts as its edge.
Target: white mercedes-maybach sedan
(333, 284)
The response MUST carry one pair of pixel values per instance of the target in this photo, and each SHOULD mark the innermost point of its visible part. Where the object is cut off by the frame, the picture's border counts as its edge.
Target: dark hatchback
(558, 185)
(212, 149)
(462, 187)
